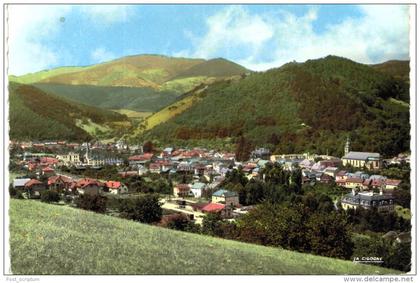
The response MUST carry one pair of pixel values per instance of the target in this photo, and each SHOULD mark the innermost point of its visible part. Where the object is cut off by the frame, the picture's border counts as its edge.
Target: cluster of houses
(64, 145)
(46, 163)
(209, 167)
(67, 185)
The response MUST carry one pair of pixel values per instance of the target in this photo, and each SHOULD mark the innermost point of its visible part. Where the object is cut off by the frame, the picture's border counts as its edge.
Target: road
(198, 216)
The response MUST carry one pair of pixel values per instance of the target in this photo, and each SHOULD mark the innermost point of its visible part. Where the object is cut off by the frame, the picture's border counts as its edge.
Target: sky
(258, 37)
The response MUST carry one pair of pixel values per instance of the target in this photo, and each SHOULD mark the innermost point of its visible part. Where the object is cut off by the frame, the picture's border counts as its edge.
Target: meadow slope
(51, 239)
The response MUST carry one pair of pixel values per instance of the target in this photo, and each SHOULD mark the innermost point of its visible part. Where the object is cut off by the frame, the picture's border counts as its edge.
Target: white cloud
(32, 27)
(107, 14)
(265, 41)
(232, 29)
(27, 26)
(100, 55)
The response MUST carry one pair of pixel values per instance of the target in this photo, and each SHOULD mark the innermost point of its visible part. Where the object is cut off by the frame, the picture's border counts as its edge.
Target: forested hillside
(311, 106)
(35, 115)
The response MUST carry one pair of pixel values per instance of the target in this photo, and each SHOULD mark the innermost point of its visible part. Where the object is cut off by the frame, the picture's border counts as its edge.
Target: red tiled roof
(93, 183)
(392, 182)
(32, 182)
(183, 187)
(48, 169)
(86, 181)
(128, 173)
(377, 182)
(113, 184)
(49, 160)
(54, 179)
(143, 157)
(213, 207)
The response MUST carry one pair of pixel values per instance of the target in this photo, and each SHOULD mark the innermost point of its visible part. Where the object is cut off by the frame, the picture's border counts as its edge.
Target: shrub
(50, 196)
(179, 222)
(12, 191)
(95, 203)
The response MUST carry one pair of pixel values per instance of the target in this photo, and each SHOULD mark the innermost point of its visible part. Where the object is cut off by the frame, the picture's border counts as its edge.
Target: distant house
(140, 159)
(47, 171)
(116, 187)
(224, 210)
(353, 183)
(382, 202)
(306, 164)
(262, 153)
(69, 159)
(197, 189)
(391, 184)
(326, 179)
(126, 174)
(332, 171)
(154, 168)
(370, 160)
(89, 187)
(182, 190)
(331, 163)
(59, 182)
(228, 198)
(341, 176)
(34, 188)
(185, 167)
(20, 183)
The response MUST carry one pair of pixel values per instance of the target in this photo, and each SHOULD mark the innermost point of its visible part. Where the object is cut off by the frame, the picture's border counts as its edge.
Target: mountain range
(310, 106)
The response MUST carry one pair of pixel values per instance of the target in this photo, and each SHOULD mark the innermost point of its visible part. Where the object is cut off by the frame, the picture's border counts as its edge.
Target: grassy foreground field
(50, 239)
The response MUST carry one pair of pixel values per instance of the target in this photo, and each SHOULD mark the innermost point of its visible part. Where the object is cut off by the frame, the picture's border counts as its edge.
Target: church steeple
(347, 146)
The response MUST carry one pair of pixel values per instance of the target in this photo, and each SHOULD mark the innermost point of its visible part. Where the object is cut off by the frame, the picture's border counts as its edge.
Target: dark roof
(361, 155)
(368, 199)
(225, 193)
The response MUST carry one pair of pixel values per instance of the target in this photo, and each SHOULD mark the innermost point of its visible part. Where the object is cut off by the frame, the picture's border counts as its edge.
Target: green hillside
(35, 115)
(51, 239)
(142, 83)
(42, 75)
(396, 68)
(218, 67)
(131, 71)
(311, 106)
(133, 98)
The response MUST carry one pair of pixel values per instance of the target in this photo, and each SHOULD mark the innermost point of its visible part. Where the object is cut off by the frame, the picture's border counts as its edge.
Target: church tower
(347, 147)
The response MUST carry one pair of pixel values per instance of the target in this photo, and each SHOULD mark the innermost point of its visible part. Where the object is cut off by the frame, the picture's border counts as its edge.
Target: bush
(179, 222)
(12, 191)
(95, 203)
(50, 196)
(144, 209)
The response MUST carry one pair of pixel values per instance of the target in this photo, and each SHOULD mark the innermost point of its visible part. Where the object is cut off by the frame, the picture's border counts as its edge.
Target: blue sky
(257, 36)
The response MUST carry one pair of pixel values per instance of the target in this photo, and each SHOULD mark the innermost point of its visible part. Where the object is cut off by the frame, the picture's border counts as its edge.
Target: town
(198, 186)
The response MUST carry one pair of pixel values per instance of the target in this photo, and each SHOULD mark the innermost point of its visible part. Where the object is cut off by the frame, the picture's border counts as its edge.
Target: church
(368, 160)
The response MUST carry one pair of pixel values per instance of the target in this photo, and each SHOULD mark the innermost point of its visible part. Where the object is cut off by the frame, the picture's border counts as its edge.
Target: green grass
(52, 239)
(91, 127)
(399, 102)
(169, 112)
(184, 84)
(133, 114)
